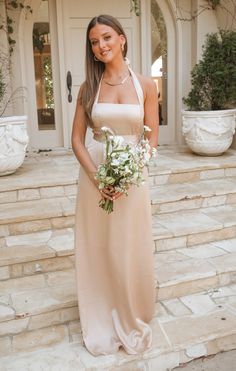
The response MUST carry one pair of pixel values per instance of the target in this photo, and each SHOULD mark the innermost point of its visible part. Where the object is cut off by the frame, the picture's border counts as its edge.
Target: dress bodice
(123, 119)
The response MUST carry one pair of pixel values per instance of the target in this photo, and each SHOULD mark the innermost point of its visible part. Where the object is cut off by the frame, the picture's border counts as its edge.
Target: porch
(194, 245)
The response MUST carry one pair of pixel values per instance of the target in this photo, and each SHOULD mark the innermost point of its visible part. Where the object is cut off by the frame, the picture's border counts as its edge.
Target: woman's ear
(123, 40)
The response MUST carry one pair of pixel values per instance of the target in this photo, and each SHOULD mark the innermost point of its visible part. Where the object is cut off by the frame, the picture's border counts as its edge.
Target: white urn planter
(209, 133)
(13, 143)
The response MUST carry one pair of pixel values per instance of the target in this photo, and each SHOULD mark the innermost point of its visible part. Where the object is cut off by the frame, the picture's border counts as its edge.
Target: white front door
(41, 76)
(73, 19)
(63, 25)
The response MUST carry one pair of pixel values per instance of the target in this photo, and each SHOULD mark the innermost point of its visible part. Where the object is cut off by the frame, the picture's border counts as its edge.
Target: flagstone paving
(176, 161)
(183, 329)
(223, 361)
(51, 289)
(194, 246)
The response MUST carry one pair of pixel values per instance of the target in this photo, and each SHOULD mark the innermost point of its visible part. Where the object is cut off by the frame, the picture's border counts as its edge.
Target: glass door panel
(43, 69)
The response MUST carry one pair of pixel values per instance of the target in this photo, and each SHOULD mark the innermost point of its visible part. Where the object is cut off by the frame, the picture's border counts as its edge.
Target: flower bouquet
(124, 163)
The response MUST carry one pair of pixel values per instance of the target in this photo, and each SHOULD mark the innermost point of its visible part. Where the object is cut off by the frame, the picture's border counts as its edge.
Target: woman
(114, 259)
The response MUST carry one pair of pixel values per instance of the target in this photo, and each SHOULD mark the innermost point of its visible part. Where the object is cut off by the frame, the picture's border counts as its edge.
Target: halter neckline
(138, 89)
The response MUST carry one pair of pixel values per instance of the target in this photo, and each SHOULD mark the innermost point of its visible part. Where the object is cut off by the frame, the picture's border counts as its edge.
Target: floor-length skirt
(114, 267)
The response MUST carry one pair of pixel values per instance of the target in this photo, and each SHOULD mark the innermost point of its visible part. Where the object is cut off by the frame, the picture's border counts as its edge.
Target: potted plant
(13, 130)
(209, 123)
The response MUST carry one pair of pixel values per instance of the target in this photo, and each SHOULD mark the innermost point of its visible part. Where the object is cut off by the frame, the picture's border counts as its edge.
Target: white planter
(13, 143)
(209, 133)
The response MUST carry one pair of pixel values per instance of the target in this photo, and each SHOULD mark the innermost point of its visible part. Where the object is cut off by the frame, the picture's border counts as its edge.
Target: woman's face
(105, 42)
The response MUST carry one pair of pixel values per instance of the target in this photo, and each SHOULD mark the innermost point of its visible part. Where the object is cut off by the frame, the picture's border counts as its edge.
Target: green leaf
(213, 78)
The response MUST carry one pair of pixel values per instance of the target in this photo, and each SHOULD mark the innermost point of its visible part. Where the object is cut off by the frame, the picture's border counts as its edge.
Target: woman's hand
(107, 192)
(110, 193)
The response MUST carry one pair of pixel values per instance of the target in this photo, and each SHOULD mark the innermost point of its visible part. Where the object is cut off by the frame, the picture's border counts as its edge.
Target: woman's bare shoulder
(80, 92)
(144, 79)
(146, 82)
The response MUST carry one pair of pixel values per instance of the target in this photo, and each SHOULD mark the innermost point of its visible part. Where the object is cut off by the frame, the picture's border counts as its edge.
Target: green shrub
(213, 78)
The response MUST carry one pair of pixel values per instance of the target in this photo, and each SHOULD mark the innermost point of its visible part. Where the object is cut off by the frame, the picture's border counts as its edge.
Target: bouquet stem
(106, 205)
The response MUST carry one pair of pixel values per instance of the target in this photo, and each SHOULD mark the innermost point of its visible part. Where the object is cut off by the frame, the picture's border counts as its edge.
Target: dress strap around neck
(99, 87)
(138, 87)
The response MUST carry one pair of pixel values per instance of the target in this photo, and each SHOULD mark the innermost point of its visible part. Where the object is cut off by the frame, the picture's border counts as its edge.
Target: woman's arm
(151, 114)
(78, 141)
(78, 145)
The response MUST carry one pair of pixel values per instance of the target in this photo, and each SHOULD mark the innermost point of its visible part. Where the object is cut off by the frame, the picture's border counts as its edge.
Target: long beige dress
(114, 258)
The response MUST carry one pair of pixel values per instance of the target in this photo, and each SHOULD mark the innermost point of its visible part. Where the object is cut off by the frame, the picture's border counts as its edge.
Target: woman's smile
(105, 52)
(105, 41)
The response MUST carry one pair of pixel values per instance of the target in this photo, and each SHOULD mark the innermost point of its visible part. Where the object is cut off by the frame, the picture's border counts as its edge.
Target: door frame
(62, 68)
(65, 62)
(40, 139)
(167, 133)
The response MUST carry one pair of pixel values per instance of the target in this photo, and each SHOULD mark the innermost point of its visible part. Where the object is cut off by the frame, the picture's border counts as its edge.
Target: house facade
(164, 41)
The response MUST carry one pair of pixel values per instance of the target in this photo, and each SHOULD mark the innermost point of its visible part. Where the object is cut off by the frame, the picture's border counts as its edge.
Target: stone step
(207, 264)
(45, 176)
(37, 257)
(184, 328)
(175, 168)
(24, 254)
(40, 299)
(36, 215)
(39, 192)
(190, 270)
(29, 253)
(193, 227)
(12, 192)
(50, 250)
(193, 195)
(58, 212)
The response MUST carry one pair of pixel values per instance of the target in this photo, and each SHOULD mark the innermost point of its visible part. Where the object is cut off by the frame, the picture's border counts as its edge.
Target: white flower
(124, 156)
(106, 130)
(127, 170)
(146, 157)
(154, 152)
(115, 162)
(146, 128)
(123, 164)
(118, 140)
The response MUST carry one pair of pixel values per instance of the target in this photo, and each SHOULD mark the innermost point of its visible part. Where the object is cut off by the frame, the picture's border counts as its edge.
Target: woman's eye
(107, 37)
(93, 43)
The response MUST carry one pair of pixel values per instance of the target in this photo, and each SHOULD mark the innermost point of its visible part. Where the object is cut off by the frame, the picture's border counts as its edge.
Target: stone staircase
(194, 245)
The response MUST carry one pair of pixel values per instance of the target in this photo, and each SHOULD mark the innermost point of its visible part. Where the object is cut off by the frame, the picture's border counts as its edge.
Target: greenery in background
(214, 3)
(7, 24)
(214, 77)
(2, 86)
(227, 7)
(47, 67)
(38, 40)
(135, 7)
(161, 27)
(4, 81)
(7, 96)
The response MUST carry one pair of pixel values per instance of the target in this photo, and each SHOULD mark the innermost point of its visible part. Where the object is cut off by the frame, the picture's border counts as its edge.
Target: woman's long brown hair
(94, 69)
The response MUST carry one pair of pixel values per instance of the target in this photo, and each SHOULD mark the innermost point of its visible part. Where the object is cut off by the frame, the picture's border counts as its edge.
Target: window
(43, 69)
